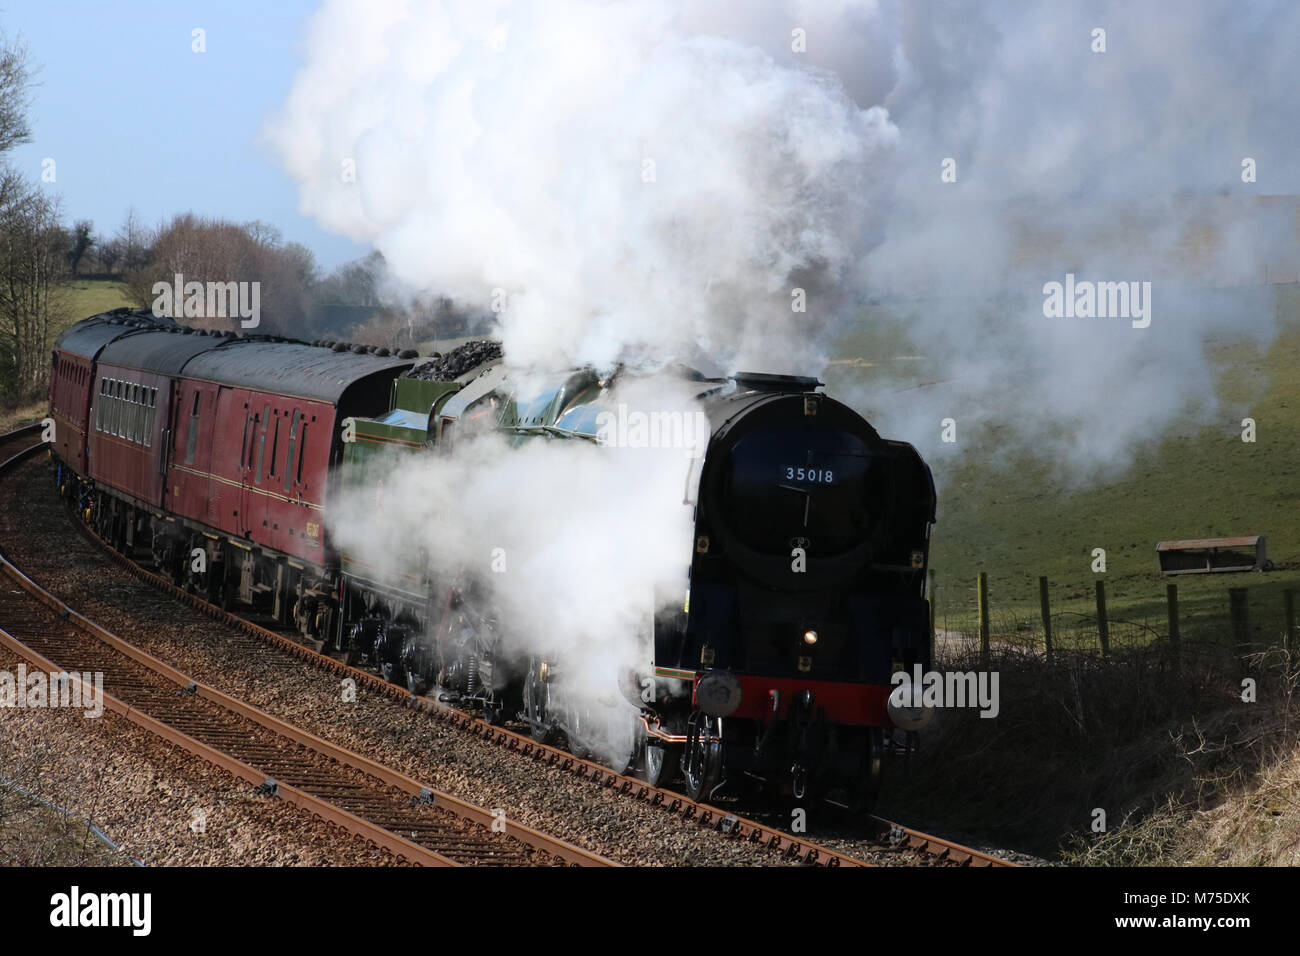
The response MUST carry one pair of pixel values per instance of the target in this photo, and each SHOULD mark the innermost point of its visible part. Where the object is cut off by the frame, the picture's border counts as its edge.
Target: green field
(1014, 520)
(73, 301)
(86, 297)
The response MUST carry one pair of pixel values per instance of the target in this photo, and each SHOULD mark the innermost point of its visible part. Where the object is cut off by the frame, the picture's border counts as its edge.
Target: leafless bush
(1152, 725)
(215, 250)
(34, 829)
(32, 261)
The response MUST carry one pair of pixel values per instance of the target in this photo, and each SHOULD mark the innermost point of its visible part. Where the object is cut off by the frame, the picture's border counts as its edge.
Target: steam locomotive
(217, 456)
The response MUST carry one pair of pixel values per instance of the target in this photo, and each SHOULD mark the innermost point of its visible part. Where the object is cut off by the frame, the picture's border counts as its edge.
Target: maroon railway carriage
(71, 379)
(185, 442)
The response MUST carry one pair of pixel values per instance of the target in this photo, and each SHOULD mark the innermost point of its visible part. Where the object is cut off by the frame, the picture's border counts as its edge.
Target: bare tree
(82, 239)
(354, 283)
(15, 95)
(215, 250)
(264, 234)
(135, 238)
(33, 247)
(110, 252)
(32, 261)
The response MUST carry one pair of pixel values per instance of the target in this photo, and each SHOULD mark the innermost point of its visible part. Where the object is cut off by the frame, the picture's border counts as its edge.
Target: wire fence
(969, 615)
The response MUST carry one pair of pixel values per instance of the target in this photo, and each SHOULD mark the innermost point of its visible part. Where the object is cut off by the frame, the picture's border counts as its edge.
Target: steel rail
(471, 816)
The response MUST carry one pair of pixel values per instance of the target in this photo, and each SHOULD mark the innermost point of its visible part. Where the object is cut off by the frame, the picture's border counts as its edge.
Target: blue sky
(133, 117)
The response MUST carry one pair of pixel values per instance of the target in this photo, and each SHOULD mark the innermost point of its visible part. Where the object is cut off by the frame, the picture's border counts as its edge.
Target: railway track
(391, 810)
(899, 844)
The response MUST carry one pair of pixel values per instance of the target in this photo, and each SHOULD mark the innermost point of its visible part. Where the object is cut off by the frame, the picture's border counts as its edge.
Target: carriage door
(247, 463)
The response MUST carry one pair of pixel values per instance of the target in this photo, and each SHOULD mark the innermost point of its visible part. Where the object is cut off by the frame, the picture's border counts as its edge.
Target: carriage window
(261, 444)
(275, 445)
(192, 439)
(302, 448)
(135, 413)
(99, 406)
(293, 439)
(246, 445)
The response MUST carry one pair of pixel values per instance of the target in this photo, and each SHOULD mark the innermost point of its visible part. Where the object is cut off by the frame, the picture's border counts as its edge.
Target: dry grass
(25, 414)
(1184, 770)
(34, 834)
(1239, 805)
(36, 831)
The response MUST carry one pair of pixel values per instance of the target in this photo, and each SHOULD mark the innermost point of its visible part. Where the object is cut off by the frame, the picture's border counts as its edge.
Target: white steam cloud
(573, 542)
(649, 180)
(639, 191)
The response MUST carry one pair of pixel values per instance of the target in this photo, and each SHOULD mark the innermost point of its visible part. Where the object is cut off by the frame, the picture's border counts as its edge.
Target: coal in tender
(454, 364)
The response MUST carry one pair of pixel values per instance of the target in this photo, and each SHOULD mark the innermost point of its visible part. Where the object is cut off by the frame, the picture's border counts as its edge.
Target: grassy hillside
(1013, 520)
(85, 297)
(73, 301)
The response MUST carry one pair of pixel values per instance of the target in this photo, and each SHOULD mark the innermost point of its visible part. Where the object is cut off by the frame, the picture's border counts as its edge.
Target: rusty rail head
(466, 811)
(324, 810)
(938, 847)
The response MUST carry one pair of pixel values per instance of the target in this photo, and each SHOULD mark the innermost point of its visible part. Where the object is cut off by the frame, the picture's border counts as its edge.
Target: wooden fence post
(930, 591)
(1288, 617)
(1047, 616)
(982, 596)
(1103, 624)
(1239, 611)
(1175, 637)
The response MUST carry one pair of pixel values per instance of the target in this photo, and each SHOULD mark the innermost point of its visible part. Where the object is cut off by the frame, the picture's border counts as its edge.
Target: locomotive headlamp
(810, 638)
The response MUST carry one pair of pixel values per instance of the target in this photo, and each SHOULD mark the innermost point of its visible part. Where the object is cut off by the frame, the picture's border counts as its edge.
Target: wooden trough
(1210, 555)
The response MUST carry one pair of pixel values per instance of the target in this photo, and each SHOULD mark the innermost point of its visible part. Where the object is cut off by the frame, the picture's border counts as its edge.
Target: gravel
(159, 804)
(542, 797)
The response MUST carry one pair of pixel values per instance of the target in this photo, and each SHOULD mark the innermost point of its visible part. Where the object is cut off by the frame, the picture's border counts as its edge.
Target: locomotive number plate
(821, 476)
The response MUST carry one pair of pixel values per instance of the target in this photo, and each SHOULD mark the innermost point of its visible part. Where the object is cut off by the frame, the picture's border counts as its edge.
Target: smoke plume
(776, 184)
